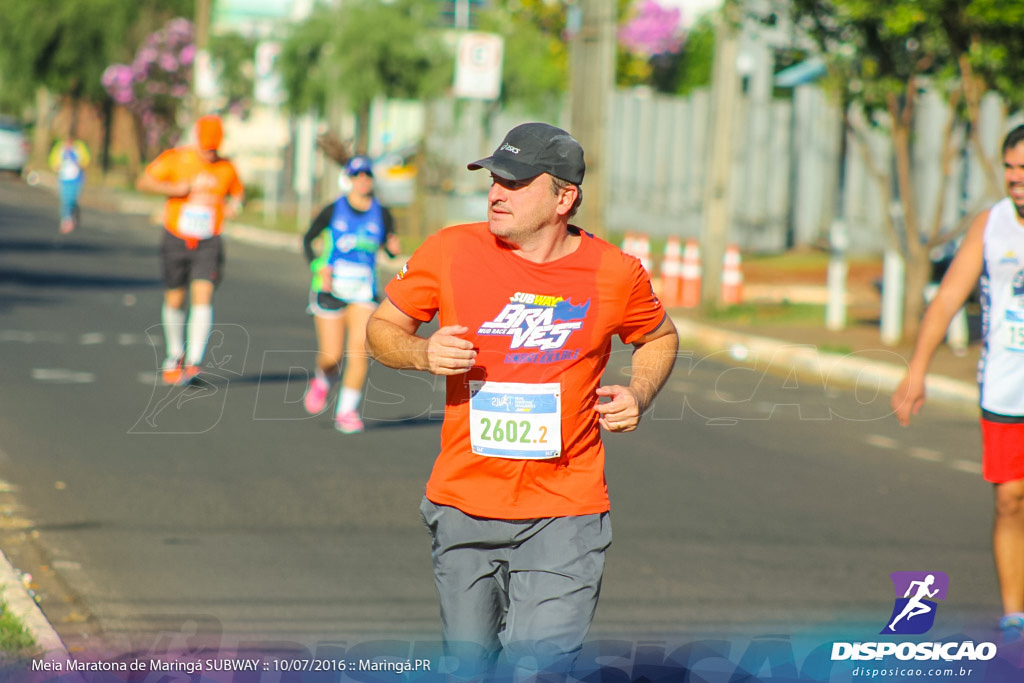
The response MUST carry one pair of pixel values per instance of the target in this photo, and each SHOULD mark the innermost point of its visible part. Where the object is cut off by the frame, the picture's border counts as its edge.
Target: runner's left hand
(622, 412)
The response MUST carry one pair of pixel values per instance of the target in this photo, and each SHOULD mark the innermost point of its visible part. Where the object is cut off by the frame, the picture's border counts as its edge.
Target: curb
(849, 369)
(22, 605)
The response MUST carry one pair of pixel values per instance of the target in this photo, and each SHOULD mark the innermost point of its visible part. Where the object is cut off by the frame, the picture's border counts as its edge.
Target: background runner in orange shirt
(202, 189)
(528, 304)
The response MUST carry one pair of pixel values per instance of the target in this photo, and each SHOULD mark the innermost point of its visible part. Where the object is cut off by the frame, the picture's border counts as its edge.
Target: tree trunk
(973, 90)
(41, 139)
(917, 276)
(917, 264)
(140, 143)
(108, 133)
(362, 142)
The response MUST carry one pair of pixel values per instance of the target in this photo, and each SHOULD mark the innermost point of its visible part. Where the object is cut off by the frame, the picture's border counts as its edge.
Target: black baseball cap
(534, 148)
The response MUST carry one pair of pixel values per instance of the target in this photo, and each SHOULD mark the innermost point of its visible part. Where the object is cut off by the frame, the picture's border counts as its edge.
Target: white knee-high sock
(174, 331)
(348, 400)
(200, 322)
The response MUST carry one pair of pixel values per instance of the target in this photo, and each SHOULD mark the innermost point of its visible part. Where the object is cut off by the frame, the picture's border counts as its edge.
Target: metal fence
(786, 162)
(785, 178)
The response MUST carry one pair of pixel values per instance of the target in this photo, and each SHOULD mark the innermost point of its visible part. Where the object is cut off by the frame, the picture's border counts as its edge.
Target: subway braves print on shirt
(538, 327)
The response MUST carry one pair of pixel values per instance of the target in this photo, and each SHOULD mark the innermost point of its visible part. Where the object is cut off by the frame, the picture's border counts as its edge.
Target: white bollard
(835, 306)
(892, 297)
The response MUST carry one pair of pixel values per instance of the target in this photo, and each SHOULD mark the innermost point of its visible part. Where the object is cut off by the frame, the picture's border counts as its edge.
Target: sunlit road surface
(747, 503)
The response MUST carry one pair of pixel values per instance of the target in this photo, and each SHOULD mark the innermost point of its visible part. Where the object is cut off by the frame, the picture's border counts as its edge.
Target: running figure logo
(914, 612)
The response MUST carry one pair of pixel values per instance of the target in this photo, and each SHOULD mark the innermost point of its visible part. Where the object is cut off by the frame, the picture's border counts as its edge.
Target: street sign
(478, 66)
(267, 85)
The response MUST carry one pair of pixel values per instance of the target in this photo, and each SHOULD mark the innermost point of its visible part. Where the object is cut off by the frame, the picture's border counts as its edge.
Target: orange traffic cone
(671, 272)
(732, 277)
(689, 295)
(643, 251)
(629, 243)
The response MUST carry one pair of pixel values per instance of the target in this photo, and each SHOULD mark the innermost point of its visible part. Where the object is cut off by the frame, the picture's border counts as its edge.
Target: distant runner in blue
(344, 291)
(68, 159)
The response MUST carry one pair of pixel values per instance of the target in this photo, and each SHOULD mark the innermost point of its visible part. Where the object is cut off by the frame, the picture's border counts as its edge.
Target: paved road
(746, 504)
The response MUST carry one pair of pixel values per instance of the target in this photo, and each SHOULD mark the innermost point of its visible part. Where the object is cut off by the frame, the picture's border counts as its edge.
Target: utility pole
(716, 215)
(202, 59)
(592, 62)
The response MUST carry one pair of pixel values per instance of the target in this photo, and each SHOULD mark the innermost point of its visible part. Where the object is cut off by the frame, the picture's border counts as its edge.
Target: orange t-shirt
(543, 327)
(200, 215)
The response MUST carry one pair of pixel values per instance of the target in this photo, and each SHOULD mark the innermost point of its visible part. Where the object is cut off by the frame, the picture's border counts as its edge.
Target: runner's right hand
(448, 353)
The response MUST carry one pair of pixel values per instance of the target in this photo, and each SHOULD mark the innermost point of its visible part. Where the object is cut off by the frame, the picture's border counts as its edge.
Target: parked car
(14, 146)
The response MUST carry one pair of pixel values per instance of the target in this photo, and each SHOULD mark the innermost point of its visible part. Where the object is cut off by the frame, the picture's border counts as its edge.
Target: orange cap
(209, 132)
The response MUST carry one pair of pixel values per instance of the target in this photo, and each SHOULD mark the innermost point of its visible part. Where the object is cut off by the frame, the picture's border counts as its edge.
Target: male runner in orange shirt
(517, 503)
(202, 188)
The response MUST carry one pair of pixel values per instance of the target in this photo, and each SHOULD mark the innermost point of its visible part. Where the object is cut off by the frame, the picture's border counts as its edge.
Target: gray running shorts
(527, 588)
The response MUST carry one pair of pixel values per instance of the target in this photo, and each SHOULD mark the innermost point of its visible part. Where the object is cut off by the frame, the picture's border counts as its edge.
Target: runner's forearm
(652, 364)
(392, 346)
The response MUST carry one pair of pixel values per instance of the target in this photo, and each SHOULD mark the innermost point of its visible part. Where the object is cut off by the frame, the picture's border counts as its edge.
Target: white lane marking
(62, 376)
(27, 337)
(968, 466)
(880, 441)
(84, 339)
(925, 454)
(684, 387)
(719, 396)
(126, 339)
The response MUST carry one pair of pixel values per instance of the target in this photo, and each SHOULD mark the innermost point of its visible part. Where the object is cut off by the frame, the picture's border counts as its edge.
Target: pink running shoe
(348, 422)
(316, 396)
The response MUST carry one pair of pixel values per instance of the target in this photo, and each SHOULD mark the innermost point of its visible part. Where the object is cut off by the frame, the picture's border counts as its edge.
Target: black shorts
(326, 305)
(180, 265)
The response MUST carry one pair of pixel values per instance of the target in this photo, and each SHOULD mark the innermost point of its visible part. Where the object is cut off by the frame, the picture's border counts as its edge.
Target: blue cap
(359, 164)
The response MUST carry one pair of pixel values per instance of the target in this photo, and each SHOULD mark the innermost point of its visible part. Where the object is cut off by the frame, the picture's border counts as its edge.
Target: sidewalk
(851, 356)
(867, 362)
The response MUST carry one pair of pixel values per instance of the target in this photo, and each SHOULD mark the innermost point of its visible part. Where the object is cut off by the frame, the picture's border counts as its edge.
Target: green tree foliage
(536, 64)
(691, 67)
(233, 55)
(881, 55)
(697, 60)
(365, 49)
(65, 45)
(303, 61)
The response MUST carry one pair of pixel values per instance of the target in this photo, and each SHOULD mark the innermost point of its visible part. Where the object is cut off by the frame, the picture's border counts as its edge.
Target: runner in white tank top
(992, 251)
(1001, 369)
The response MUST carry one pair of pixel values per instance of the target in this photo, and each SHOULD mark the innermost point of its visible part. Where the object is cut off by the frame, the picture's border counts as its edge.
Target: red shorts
(1002, 458)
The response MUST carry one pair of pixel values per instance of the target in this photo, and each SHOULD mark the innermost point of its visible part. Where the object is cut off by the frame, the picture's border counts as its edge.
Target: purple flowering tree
(653, 30)
(154, 86)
